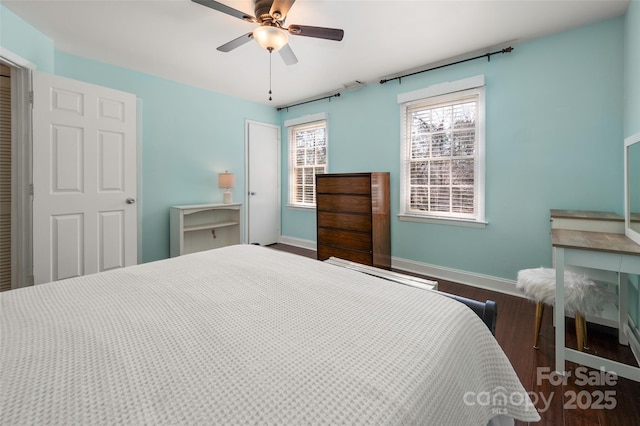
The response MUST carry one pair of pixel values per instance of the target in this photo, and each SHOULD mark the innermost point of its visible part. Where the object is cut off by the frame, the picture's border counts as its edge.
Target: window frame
(432, 96)
(292, 125)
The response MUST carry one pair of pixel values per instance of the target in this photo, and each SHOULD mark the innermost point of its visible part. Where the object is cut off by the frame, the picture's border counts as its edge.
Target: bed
(248, 335)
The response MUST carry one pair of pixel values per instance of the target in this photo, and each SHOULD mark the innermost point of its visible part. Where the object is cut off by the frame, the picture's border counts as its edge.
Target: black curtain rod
(312, 100)
(486, 55)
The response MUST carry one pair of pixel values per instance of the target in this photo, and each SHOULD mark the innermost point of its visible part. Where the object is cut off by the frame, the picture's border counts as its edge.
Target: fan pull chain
(270, 52)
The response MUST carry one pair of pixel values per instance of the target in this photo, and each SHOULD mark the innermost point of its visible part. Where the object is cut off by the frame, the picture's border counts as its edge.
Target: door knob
(252, 193)
(130, 200)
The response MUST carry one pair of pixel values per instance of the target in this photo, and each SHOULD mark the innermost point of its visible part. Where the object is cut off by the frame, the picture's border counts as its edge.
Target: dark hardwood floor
(586, 397)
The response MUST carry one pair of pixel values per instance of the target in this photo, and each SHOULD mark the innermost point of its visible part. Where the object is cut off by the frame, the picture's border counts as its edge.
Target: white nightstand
(201, 227)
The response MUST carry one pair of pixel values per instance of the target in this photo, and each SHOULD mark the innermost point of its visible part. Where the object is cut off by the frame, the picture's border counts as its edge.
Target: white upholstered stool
(582, 297)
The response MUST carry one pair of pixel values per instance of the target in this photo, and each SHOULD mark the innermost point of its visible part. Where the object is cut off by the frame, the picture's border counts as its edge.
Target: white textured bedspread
(247, 335)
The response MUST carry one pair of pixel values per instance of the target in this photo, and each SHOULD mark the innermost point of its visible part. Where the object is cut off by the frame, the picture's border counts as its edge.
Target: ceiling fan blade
(287, 55)
(227, 47)
(226, 9)
(317, 32)
(280, 8)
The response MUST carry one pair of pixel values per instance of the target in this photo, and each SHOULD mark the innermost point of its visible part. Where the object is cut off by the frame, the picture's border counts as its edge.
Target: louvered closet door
(84, 174)
(5, 178)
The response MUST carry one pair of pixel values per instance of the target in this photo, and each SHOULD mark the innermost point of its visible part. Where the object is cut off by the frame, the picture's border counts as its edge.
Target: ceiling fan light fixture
(270, 37)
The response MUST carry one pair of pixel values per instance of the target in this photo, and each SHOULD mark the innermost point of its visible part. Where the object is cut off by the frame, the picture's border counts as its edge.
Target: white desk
(597, 250)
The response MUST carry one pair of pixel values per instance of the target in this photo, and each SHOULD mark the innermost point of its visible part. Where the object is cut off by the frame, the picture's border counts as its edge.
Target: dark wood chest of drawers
(353, 221)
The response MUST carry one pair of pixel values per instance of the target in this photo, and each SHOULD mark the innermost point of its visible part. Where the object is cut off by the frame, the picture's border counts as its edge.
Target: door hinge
(31, 280)
(31, 97)
(30, 189)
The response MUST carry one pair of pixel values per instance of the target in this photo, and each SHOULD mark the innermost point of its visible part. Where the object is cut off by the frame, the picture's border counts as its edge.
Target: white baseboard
(298, 242)
(486, 282)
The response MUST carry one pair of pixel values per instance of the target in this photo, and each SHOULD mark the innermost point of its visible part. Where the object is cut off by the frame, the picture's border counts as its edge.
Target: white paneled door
(263, 200)
(84, 178)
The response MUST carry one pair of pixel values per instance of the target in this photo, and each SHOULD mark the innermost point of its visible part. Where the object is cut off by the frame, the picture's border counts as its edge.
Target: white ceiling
(177, 39)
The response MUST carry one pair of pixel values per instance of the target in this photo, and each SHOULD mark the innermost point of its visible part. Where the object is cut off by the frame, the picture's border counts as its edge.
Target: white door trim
(139, 201)
(15, 59)
(246, 173)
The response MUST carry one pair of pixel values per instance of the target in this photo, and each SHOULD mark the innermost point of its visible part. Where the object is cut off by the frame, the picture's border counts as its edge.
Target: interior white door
(84, 178)
(263, 183)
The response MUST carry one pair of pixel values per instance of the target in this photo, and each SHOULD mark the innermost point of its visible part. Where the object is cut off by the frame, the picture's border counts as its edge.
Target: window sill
(468, 223)
(301, 208)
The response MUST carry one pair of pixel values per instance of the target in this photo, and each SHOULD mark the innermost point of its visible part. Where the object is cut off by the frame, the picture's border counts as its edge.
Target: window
(442, 170)
(307, 158)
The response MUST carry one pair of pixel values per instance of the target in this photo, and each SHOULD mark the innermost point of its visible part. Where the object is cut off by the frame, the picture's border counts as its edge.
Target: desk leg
(559, 310)
(623, 286)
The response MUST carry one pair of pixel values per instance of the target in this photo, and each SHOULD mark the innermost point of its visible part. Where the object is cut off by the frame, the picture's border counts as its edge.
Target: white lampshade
(227, 181)
(270, 37)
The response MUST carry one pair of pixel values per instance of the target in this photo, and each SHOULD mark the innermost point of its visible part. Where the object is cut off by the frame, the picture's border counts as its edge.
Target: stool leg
(585, 340)
(580, 330)
(538, 323)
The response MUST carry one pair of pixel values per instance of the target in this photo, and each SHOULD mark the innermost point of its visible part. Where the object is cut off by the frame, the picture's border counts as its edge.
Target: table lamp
(226, 180)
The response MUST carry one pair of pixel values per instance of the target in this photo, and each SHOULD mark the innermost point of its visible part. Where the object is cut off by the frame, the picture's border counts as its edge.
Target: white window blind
(443, 156)
(307, 157)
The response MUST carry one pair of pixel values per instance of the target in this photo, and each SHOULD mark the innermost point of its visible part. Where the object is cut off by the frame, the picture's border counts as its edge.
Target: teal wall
(632, 69)
(189, 135)
(554, 110)
(22, 39)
